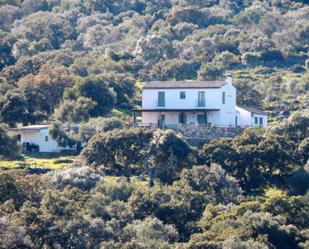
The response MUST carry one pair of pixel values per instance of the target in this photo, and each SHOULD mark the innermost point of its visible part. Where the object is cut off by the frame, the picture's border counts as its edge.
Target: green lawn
(60, 162)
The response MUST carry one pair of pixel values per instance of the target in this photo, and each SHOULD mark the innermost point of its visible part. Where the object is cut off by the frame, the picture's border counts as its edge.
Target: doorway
(161, 120)
(182, 118)
(202, 119)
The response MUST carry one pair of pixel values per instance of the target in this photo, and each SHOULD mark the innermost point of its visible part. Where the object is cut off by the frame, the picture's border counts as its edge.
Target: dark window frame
(201, 99)
(161, 99)
(182, 118)
(256, 120)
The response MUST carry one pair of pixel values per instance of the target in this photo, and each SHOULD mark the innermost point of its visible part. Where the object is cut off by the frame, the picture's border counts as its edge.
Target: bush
(95, 89)
(119, 151)
(97, 125)
(120, 189)
(236, 243)
(299, 181)
(228, 60)
(272, 55)
(12, 235)
(8, 145)
(213, 181)
(250, 59)
(150, 230)
(297, 69)
(211, 72)
(176, 69)
(82, 177)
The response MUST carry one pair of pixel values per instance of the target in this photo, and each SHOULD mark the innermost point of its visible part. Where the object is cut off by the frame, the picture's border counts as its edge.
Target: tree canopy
(80, 65)
(53, 52)
(8, 145)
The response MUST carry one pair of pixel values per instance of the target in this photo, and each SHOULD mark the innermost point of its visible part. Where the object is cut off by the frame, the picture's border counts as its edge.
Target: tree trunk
(128, 173)
(151, 178)
(78, 147)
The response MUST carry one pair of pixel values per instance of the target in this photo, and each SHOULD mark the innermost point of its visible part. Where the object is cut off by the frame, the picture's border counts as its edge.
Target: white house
(169, 103)
(38, 135)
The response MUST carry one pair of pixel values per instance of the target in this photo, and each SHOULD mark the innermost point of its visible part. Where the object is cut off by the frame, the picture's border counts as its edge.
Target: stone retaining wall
(194, 132)
(200, 134)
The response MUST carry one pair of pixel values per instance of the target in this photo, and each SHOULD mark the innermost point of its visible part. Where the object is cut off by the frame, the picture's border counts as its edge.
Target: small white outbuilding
(38, 135)
(250, 116)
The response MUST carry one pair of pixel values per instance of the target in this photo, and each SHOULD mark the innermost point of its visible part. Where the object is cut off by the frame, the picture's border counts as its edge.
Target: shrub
(96, 125)
(120, 189)
(211, 72)
(119, 151)
(250, 59)
(212, 181)
(272, 55)
(228, 60)
(150, 230)
(299, 181)
(8, 145)
(297, 69)
(82, 177)
(12, 235)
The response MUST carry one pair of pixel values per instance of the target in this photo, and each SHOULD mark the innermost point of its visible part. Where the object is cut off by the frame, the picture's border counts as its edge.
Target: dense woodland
(84, 62)
(143, 188)
(72, 60)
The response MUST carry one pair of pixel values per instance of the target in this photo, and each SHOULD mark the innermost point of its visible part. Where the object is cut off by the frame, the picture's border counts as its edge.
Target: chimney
(229, 79)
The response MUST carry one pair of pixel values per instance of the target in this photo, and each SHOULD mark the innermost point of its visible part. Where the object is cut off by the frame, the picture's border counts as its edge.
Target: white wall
(228, 110)
(172, 98)
(260, 116)
(38, 137)
(172, 118)
(244, 117)
(213, 96)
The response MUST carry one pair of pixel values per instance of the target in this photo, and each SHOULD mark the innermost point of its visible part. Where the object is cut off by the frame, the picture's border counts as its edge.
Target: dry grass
(61, 162)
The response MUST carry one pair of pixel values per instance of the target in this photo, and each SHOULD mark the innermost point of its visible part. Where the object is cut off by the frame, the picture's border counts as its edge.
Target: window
(161, 99)
(46, 138)
(201, 99)
(182, 118)
(182, 95)
(202, 118)
(256, 120)
(261, 121)
(223, 97)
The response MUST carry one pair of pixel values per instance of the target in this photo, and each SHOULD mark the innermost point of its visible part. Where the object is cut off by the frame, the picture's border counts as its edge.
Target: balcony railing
(200, 104)
(177, 126)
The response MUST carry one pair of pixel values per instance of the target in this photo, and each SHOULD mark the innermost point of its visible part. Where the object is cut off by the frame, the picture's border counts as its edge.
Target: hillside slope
(60, 54)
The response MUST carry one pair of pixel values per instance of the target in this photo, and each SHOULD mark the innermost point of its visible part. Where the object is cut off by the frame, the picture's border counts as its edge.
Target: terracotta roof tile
(30, 127)
(184, 84)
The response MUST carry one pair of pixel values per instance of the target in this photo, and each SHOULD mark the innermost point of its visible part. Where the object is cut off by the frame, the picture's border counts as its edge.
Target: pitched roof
(184, 84)
(30, 128)
(253, 110)
(176, 110)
